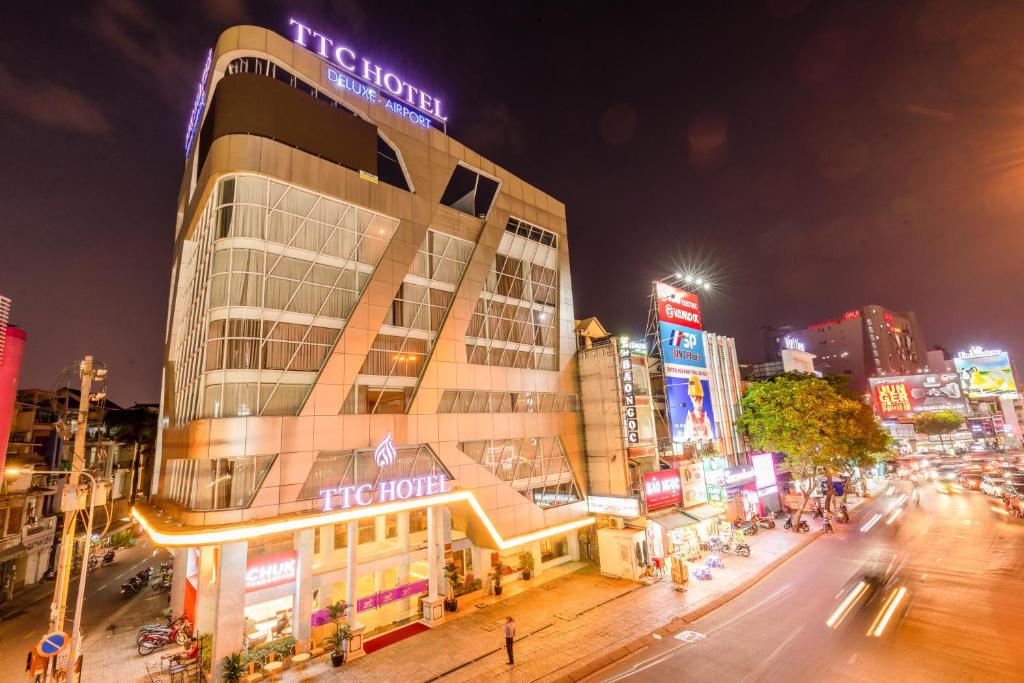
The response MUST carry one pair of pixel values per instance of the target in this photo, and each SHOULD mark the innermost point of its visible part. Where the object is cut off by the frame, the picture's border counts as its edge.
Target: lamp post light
(58, 594)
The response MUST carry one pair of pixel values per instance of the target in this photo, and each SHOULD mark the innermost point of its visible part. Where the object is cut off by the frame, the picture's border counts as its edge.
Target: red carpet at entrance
(392, 637)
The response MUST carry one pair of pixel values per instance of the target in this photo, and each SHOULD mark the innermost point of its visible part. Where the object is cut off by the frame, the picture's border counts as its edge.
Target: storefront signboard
(695, 491)
(614, 505)
(986, 373)
(631, 424)
(764, 470)
(271, 570)
(390, 595)
(905, 395)
(737, 476)
(369, 80)
(662, 489)
(714, 479)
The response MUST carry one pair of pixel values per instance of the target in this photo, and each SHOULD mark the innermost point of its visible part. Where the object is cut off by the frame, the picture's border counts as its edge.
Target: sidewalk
(569, 626)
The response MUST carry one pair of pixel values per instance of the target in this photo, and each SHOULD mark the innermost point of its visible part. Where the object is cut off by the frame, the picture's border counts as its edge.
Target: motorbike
(94, 561)
(180, 628)
(826, 527)
(916, 495)
(154, 641)
(162, 585)
(747, 527)
(741, 549)
(843, 516)
(108, 557)
(804, 526)
(766, 522)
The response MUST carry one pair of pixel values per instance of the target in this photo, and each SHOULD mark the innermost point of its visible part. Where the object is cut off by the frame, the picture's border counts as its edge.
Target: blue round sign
(52, 643)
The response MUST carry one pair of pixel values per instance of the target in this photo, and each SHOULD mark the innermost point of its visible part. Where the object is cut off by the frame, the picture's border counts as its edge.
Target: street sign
(52, 644)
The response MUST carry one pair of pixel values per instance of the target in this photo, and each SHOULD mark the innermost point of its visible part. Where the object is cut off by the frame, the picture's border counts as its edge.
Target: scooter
(108, 557)
(804, 526)
(843, 515)
(741, 549)
(826, 527)
(747, 527)
(766, 522)
(179, 633)
(180, 628)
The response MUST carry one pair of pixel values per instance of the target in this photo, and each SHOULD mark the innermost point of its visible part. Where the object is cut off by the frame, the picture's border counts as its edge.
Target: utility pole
(58, 608)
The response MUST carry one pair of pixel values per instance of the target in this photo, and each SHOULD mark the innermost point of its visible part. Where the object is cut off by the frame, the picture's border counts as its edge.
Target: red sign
(893, 399)
(679, 307)
(271, 570)
(663, 488)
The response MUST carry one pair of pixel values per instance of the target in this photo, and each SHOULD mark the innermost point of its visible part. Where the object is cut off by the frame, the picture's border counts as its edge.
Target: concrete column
(178, 579)
(206, 591)
(326, 546)
(433, 605)
(403, 560)
(380, 529)
(534, 549)
(574, 545)
(355, 643)
(230, 603)
(303, 611)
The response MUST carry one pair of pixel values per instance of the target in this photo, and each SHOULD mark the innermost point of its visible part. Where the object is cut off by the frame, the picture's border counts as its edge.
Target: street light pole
(77, 623)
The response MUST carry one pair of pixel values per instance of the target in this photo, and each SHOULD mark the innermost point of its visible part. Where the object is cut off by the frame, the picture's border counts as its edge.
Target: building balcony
(40, 533)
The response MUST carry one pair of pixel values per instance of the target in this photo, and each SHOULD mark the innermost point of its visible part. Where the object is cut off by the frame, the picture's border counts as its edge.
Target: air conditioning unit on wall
(617, 522)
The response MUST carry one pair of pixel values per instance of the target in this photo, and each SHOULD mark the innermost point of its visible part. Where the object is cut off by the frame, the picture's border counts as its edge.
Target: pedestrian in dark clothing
(510, 636)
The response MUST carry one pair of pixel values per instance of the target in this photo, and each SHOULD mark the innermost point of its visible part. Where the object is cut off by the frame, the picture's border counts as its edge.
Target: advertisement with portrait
(690, 412)
(986, 374)
(905, 395)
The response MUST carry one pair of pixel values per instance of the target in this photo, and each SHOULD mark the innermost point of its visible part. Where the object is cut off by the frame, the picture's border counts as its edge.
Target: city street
(957, 621)
(102, 605)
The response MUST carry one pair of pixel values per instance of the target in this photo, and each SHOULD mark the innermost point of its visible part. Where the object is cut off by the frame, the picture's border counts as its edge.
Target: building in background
(370, 364)
(861, 343)
(790, 360)
(989, 382)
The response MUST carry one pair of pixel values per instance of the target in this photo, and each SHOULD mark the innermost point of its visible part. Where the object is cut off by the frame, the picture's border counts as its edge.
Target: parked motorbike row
(107, 559)
(156, 636)
(136, 583)
(163, 581)
(842, 516)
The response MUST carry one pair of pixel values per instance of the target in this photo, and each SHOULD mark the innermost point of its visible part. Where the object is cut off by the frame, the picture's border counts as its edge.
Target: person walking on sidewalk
(510, 636)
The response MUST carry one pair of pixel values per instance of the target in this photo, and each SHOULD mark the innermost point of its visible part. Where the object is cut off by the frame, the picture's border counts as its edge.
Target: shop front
(741, 493)
(766, 482)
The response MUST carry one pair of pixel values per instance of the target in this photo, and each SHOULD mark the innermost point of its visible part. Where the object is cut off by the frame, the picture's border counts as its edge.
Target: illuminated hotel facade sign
(370, 81)
(385, 490)
(271, 570)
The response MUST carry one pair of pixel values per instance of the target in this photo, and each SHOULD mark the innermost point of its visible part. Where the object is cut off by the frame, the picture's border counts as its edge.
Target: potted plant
(454, 582)
(338, 642)
(232, 667)
(498, 569)
(337, 611)
(526, 565)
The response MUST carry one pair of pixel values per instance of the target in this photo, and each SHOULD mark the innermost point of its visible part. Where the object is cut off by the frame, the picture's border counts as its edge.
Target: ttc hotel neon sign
(372, 75)
(386, 490)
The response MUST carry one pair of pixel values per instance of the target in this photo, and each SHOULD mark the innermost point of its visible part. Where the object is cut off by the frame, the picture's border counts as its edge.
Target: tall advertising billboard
(985, 373)
(687, 391)
(905, 395)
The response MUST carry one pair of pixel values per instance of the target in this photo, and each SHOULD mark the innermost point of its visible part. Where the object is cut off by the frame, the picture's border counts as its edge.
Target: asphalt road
(20, 632)
(960, 617)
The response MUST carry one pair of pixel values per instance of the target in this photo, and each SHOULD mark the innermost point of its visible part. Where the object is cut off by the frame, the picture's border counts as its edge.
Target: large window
(470, 192)
(458, 401)
(536, 467)
(217, 483)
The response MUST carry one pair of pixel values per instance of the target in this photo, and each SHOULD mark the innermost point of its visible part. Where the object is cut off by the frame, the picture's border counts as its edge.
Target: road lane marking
(760, 668)
(853, 658)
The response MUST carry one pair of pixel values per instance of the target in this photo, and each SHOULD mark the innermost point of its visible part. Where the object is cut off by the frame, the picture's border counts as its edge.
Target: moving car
(971, 481)
(992, 485)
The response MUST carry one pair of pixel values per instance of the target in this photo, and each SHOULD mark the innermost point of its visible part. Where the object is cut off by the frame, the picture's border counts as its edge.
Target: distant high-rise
(861, 343)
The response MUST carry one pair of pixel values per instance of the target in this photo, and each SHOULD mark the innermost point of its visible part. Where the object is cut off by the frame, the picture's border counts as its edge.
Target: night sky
(813, 157)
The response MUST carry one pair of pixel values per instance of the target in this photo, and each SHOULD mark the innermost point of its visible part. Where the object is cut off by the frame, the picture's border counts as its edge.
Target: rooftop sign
(383, 84)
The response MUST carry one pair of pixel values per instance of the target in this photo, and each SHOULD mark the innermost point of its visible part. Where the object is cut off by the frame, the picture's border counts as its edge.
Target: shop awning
(702, 513)
(669, 519)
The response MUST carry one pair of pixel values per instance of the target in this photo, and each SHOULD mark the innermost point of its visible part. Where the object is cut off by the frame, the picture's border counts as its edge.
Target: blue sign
(690, 413)
(681, 346)
(52, 644)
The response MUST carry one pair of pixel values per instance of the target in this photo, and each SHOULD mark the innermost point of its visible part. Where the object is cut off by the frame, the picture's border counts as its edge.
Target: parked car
(971, 481)
(992, 486)
(1011, 490)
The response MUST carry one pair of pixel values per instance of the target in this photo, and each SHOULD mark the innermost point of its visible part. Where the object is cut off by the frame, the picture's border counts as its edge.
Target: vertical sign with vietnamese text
(630, 426)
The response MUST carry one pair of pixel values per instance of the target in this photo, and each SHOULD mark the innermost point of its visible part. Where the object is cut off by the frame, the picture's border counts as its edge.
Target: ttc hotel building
(370, 357)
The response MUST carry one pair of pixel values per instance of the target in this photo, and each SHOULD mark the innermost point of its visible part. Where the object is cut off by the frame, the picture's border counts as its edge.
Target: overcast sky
(812, 156)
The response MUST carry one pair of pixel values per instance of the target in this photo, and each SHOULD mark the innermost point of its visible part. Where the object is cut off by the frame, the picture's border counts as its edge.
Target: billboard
(986, 374)
(663, 489)
(687, 389)
(690, 413)
(902, 395)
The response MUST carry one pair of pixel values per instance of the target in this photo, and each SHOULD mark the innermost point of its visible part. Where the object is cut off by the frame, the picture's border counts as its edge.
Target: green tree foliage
(818, 424)
(939, 423)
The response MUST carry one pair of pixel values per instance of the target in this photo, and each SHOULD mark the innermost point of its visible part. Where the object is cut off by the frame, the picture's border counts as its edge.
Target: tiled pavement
(568, 619)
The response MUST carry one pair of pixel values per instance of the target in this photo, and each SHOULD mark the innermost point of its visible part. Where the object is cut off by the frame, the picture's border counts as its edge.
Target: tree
(137, 426)
(864, 444)
(803, 416)
(938, 423)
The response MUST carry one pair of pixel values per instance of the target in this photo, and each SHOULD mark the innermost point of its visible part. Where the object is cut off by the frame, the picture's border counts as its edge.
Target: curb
(679, 623)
